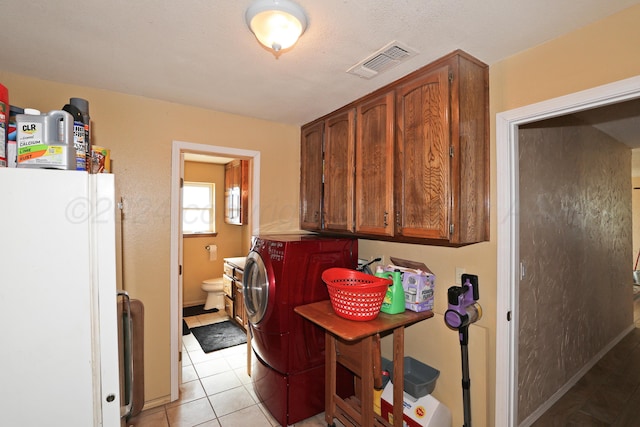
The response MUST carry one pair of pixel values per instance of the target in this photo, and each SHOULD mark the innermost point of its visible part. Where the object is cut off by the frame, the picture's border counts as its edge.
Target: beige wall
(600, 53)
(139, 131)
(196, 263)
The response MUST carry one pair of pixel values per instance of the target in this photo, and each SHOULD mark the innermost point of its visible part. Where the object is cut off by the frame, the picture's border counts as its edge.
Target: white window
(198, 208)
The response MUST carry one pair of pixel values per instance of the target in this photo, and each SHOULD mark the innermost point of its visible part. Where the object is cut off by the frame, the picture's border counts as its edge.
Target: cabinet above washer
(411, 165)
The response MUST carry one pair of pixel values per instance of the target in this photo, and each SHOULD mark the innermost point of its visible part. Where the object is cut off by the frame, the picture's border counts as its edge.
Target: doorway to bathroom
(180, 149)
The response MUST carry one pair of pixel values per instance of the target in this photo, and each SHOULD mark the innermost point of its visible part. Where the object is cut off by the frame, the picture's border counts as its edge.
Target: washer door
(255, 288)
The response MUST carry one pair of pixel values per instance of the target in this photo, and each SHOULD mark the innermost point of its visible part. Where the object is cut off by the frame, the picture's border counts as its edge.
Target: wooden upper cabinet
(422, 157)
(236, 192)
(442, 153)
(470, 140)
(338, 171)
(311, 176)
(374, 166)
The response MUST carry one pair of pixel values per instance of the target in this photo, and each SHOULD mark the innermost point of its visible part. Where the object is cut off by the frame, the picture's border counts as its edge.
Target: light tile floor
(215, 391)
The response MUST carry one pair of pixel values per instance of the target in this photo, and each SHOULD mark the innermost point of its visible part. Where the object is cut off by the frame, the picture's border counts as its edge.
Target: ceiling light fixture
(277, 24)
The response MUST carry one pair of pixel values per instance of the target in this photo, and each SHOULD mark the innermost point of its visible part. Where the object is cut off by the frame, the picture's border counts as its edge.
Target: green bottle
(393, 302)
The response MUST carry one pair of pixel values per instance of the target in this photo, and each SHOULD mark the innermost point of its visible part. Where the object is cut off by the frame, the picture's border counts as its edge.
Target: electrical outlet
(459, 272)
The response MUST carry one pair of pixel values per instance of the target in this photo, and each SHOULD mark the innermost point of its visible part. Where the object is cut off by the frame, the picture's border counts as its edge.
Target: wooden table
(356, 346)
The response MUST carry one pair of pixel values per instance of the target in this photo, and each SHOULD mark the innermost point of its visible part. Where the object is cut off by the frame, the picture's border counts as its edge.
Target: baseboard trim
(156, 403)
(193, 303)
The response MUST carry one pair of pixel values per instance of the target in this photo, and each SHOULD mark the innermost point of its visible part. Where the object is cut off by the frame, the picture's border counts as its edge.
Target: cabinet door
(228, 306)
(239, 314)
(423, 194)
(374, 166)
(338, 172)
(228, 196)
(311, 176)
(236, 183)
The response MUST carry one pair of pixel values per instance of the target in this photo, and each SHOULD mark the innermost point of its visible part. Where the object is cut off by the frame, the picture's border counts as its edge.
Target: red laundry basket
(355, 295)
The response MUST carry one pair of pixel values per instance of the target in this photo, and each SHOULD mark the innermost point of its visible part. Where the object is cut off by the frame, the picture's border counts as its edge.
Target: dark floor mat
(196, 310)
(217, 336)
(185, 328)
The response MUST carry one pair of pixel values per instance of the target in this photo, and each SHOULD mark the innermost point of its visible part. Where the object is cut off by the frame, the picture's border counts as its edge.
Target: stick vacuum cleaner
(463, 311)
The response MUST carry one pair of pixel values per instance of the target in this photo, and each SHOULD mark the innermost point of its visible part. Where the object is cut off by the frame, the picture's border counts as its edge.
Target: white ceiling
(201, 53)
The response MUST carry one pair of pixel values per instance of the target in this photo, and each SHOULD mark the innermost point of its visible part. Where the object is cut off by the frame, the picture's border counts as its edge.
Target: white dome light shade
(277, 24)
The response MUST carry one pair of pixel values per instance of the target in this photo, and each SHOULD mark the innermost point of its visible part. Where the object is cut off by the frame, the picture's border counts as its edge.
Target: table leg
(329, 378)
(398, 375)
(366, 400)
(377, 362)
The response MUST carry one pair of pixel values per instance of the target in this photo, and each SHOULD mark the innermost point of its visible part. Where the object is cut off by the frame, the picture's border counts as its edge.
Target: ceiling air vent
(386, 58)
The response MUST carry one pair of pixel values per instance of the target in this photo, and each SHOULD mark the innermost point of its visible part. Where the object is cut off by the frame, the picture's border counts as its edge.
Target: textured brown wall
(575, 243)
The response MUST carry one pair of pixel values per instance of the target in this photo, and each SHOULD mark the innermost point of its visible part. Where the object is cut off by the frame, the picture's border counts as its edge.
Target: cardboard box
(418, 281)
(424, 412)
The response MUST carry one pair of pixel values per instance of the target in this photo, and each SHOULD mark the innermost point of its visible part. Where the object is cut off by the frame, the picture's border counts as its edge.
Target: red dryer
(281, 273)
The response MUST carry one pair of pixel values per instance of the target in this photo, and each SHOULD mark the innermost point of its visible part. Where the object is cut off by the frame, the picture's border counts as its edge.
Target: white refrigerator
(59, 342)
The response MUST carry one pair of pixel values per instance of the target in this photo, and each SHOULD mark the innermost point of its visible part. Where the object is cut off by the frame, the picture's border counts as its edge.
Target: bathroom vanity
(232, 286)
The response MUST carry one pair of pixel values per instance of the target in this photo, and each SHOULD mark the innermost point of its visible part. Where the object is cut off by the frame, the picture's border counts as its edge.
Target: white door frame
(507, 124)
(177, 165)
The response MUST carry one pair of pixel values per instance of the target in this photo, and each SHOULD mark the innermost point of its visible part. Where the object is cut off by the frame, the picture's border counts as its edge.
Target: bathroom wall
(575, 244)
(196, 263)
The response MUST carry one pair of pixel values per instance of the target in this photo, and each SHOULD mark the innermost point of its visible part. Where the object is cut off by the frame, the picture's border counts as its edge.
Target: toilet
(215, 294)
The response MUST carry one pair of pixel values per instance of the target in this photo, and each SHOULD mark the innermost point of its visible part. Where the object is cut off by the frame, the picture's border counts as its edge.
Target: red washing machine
(281, 273)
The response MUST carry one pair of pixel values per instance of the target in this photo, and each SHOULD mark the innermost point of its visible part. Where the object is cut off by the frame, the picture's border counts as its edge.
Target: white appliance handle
(125, 410)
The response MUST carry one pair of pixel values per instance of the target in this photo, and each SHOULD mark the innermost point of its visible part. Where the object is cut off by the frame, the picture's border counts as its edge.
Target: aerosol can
(393, 302)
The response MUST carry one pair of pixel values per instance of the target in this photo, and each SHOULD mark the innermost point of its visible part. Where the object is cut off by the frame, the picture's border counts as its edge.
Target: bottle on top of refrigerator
(4, 121)
(83, 105)
(45, 141)
(12, 152)
(79, 141)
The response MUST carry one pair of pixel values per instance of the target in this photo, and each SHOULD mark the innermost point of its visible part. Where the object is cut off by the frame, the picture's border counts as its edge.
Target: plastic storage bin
(387, 371)
(419, 378)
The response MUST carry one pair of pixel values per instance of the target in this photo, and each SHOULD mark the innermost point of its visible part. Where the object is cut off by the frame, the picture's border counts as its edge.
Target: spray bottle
(78, 136)
(393, 302)
(83, 105)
